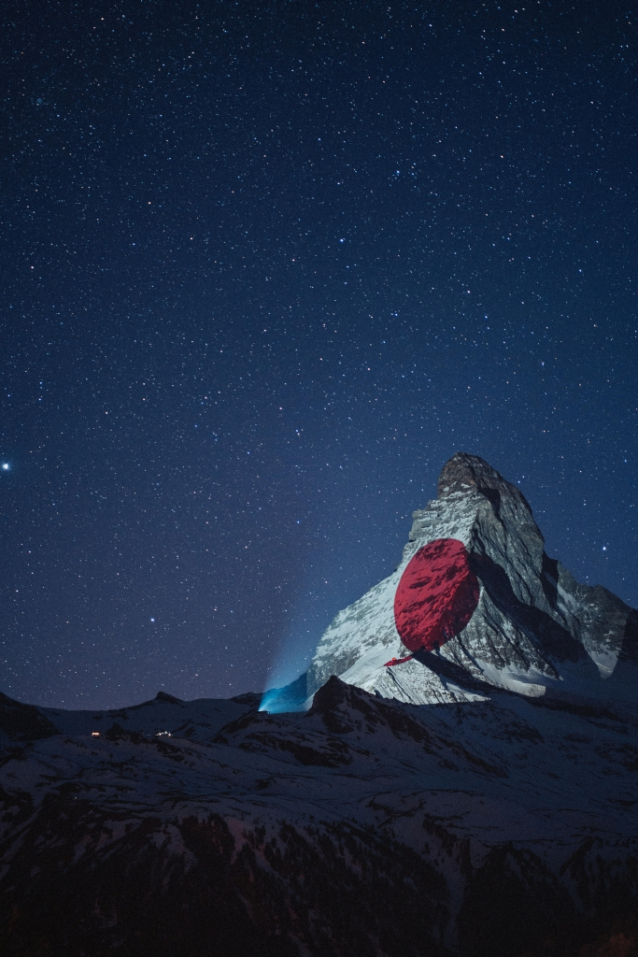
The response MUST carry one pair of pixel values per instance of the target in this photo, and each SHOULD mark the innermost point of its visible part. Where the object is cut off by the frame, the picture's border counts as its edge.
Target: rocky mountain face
(475, 796)
(533, 628)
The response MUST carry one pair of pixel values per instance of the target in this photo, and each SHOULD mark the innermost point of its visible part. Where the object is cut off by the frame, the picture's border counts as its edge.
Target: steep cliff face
(533, 629)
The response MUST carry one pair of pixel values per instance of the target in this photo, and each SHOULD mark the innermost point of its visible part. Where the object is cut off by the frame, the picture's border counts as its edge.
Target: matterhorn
(476, 604)
(455, 775)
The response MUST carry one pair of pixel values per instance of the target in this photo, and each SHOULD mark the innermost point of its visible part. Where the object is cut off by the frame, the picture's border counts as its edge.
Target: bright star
(5, 466)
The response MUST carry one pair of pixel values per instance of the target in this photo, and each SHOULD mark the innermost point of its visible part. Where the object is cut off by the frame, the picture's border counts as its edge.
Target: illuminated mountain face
(436, 596)
(476, 603)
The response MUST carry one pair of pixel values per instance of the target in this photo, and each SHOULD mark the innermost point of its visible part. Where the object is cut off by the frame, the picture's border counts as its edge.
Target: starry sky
(265, 267)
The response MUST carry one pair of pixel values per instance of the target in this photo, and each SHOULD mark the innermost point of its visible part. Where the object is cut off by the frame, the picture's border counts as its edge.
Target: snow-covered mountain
(480, 798)
(531, 627)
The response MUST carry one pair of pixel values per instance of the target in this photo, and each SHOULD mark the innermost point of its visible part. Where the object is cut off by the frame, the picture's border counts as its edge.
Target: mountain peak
(464, 472)
(476, 604)
(167, 698)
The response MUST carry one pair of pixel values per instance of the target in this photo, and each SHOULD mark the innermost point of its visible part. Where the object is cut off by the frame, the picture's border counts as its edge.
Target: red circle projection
(437, 595)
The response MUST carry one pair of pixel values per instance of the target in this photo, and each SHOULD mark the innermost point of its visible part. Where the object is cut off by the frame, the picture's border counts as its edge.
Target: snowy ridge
(284, 826)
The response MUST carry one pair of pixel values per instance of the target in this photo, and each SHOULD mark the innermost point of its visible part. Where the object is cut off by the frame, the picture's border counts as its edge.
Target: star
(5, 466)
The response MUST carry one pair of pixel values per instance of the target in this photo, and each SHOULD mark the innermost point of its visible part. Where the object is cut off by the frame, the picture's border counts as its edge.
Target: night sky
(265, 267)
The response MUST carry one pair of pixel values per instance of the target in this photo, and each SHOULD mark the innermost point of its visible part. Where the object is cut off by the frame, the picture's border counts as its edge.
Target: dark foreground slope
(499, 827)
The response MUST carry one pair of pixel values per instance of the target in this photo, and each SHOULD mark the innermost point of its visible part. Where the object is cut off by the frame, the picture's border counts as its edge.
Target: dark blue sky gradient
(266, 266)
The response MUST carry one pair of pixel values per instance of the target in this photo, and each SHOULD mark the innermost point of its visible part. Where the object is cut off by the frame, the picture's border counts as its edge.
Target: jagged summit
(476, 604)
(464, 471)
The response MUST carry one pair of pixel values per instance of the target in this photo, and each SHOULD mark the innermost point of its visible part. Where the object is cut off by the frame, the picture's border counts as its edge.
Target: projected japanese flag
(437, 595)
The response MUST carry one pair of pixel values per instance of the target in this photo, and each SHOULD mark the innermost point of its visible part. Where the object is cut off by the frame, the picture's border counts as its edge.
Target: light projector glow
(285, 685)
(270, 702)
(291, 697)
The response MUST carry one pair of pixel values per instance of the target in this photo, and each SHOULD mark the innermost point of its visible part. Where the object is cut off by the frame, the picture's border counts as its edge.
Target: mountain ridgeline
(456, 775)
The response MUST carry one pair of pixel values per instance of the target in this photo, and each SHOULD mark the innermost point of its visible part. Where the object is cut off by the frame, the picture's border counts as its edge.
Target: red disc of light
(437, 595)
